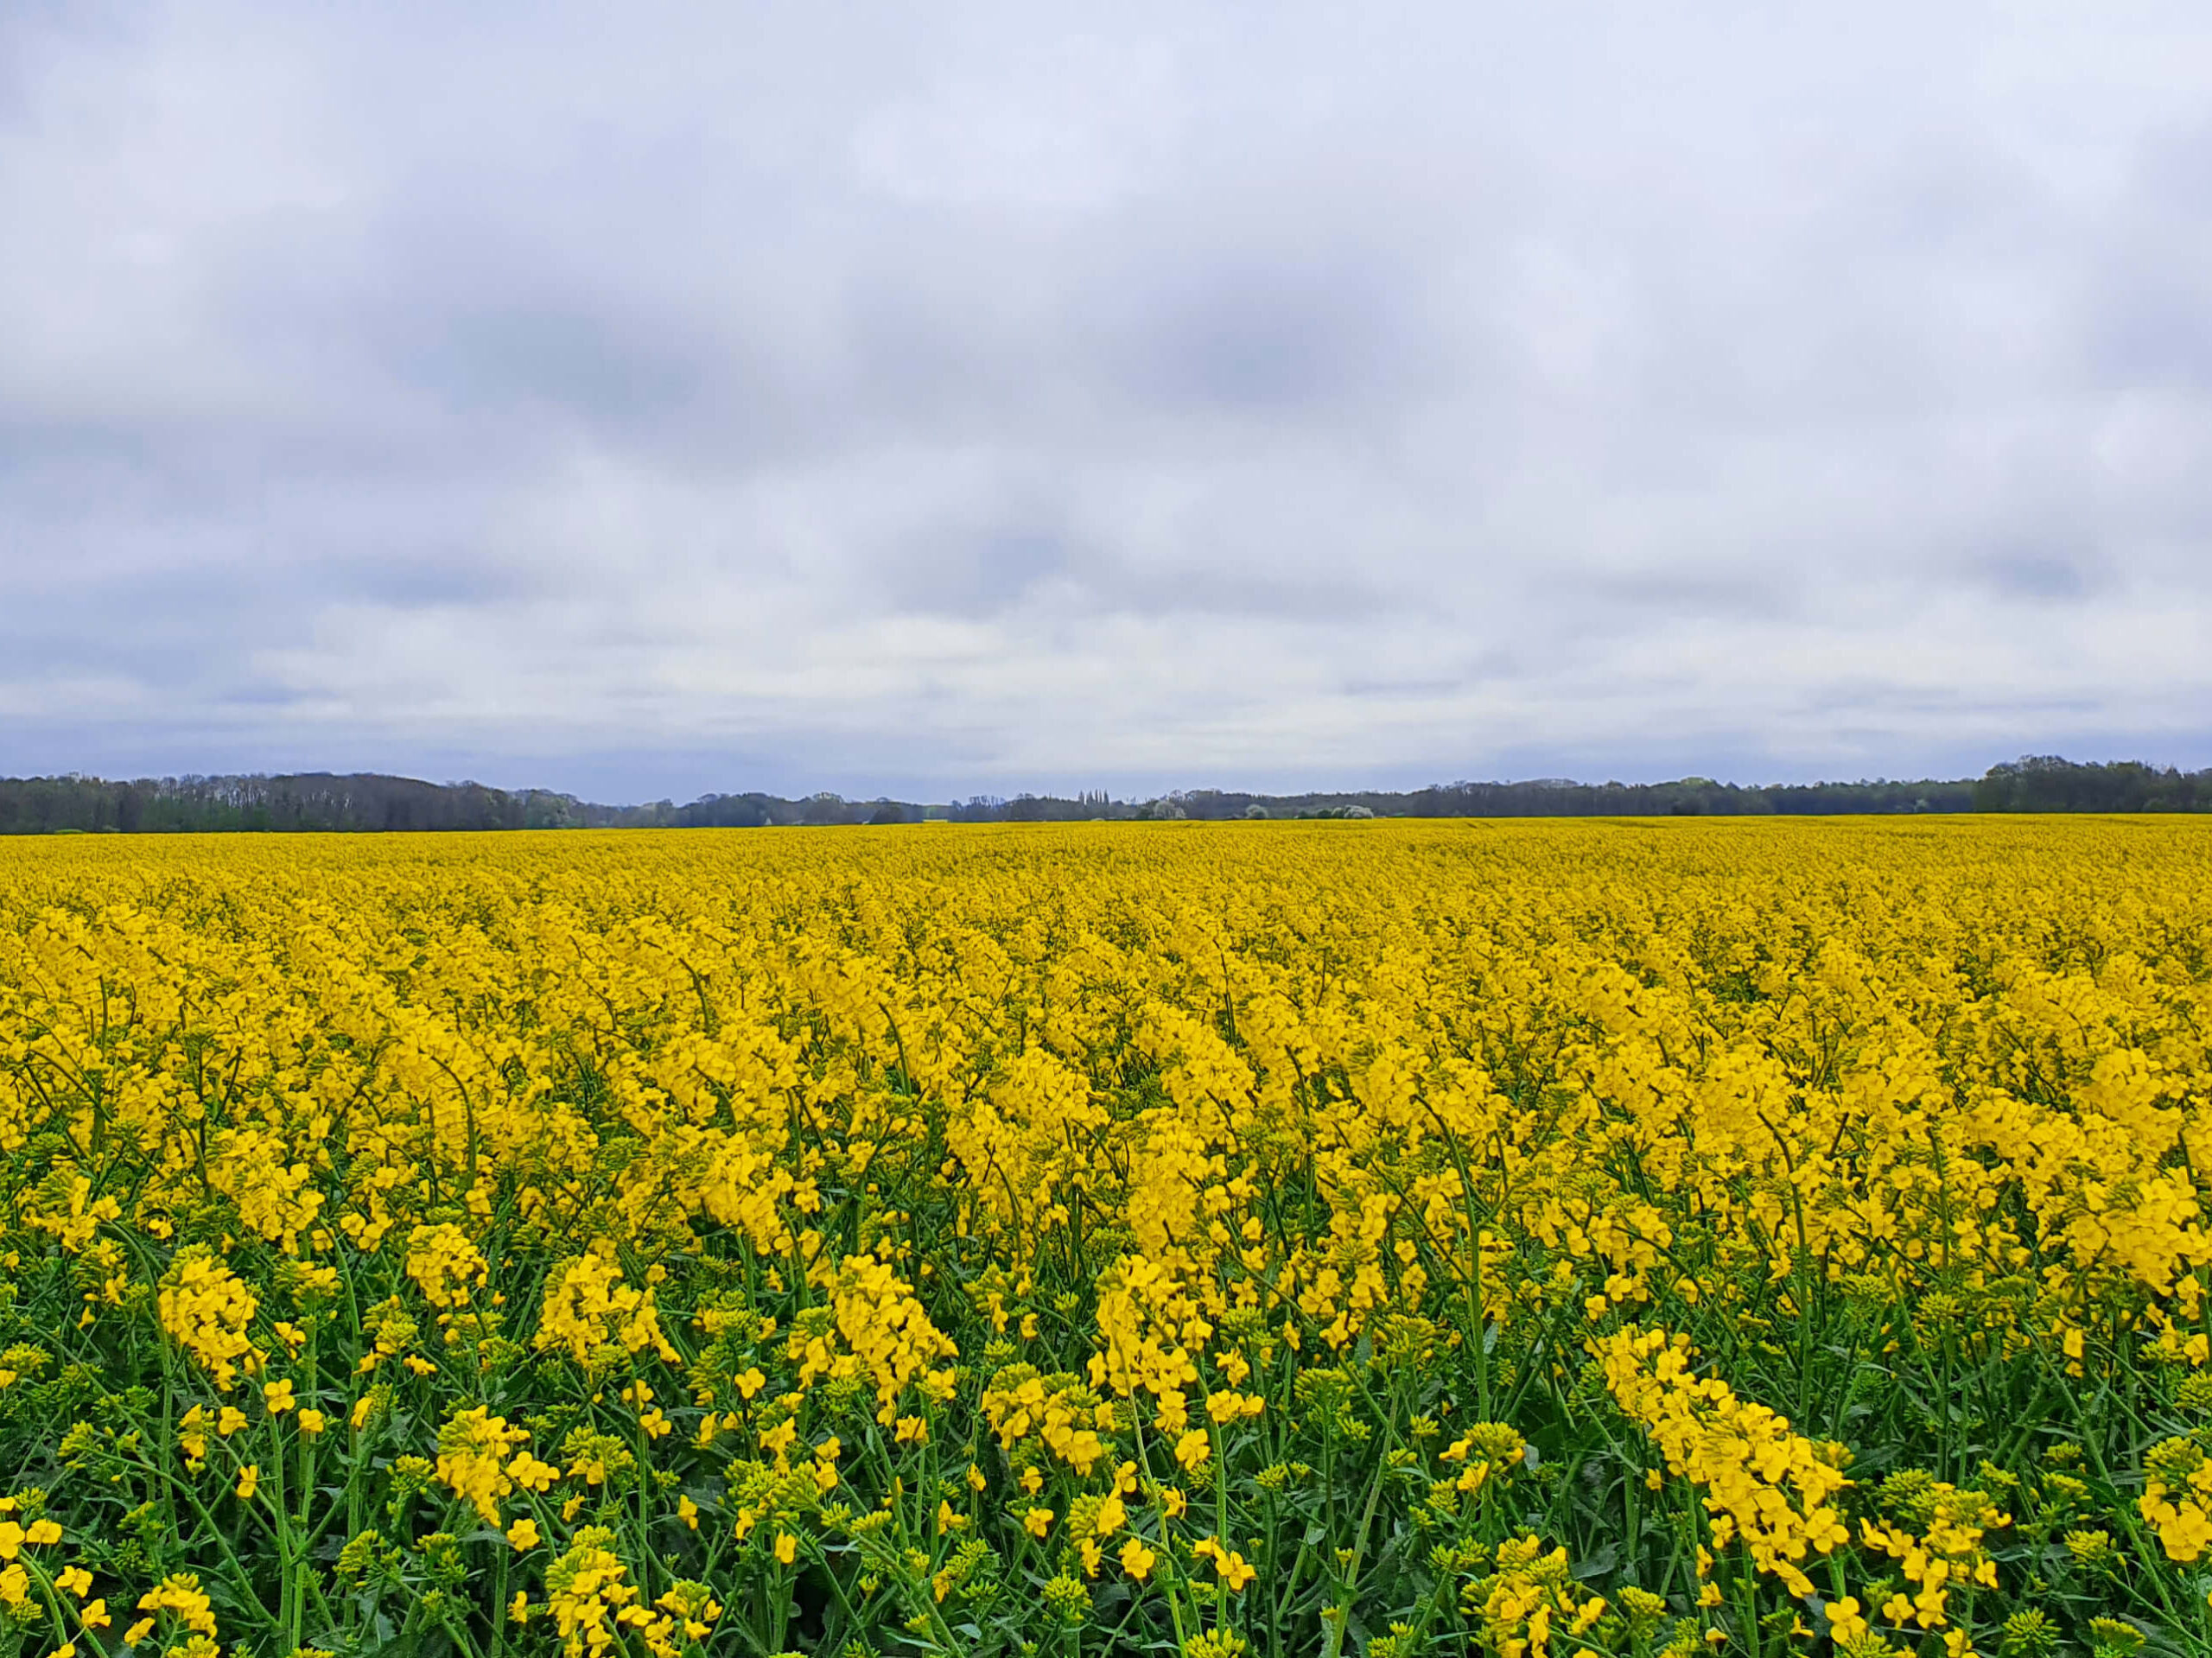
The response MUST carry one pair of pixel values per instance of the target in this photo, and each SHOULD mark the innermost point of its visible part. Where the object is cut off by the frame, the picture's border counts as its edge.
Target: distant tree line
(2044, 782)
(314, 801)
(371, 804)
(1561, 797)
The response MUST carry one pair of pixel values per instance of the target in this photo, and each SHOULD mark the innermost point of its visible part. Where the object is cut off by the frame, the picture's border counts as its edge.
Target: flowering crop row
(1387, 1239)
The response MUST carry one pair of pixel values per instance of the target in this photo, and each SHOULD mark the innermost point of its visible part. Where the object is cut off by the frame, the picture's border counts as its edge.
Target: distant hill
(370, 803)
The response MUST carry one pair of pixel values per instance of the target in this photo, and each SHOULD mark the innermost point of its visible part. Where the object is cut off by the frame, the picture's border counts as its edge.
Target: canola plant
(1375, 1239)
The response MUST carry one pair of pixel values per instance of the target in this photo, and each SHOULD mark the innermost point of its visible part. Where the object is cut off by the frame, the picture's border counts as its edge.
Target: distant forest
(369, 803)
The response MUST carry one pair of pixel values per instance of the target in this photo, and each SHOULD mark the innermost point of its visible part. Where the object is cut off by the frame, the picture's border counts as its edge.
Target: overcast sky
(953, 398)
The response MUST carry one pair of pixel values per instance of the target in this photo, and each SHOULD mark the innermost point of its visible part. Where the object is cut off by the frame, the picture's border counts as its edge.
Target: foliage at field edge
(1328, 1238)
(318, 802)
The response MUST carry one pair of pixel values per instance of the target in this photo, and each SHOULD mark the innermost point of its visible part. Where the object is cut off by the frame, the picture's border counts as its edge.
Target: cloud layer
(940, 399)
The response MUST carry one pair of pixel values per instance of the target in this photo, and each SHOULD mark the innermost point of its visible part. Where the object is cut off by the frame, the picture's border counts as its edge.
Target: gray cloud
(1005, 397)
(2030, 574)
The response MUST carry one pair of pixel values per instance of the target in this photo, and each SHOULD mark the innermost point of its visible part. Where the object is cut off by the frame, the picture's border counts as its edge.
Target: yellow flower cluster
(889, 1331)
(1775, 1490)
(1529, 1598)
(475, 1450)
(445, 1265)
(207, 1309)
(596, 1317)
(180, 1596)
(15, 1578)
(588, 1596)
(1058, 1409)
(1942, 1550)
(2178, 1497)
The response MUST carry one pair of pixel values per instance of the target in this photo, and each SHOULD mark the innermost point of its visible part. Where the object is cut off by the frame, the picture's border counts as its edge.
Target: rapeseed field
(1375, 1239)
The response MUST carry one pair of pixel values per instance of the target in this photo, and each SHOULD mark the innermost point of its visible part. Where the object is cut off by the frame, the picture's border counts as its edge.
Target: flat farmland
(1382, 1238)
